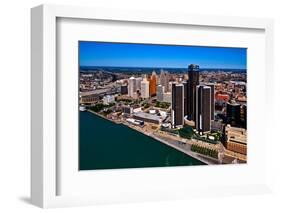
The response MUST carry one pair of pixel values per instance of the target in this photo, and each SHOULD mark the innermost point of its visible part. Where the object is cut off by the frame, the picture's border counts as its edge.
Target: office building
(145, 88)
(185, 88)
(236, 139)
(152, 84)
(147, 117)
(132, 87)
(160, 93)
(193, 76)
(203, 108)
(243, 116)
(167, 97)
(212, 99)
(177, 105)
(124, 89)
(233, 114)
(138, 84)
(164, 80)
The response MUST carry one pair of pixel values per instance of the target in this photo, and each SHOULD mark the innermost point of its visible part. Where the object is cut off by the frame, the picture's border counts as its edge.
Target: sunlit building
(132, 87)
(236, 139)
(152, 84)
(145, 88)
(164, 80)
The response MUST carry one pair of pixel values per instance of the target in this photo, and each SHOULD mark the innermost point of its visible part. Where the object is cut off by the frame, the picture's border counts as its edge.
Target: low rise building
(108, 99)
(146, 117)
(236, 139)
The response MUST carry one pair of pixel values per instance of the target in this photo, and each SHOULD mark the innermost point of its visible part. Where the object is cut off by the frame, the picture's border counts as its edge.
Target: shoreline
(203, 159)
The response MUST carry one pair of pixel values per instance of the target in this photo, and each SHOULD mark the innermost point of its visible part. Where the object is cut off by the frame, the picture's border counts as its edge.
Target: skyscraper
(160, 93)
(193, 75)
(243, 115)
(177, 105)
(186, 101)
(138, 84)
(131, 86)
(152, 84)
(124, 89)
(203, 108)
(233, 114)
(164, 80)
(144, 88)
(212, 99)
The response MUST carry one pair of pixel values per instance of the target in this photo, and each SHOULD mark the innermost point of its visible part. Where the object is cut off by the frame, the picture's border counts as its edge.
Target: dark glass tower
(185, 98)
(177, 105)
(193, 75)
(233, 112)
(203, 108)
(212, 100)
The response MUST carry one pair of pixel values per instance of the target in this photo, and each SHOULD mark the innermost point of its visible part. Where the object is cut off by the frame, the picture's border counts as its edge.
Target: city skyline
(158, 55)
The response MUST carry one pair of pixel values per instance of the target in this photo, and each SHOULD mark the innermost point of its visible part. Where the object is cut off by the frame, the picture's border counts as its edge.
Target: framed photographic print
(149, 106)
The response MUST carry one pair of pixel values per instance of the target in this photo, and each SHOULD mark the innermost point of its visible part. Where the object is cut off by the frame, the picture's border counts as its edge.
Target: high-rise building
(145, 88)
(186, 101)
(160, 93)
(233, 114)
(212, 100)
(203, 108)
(132, 86)
(164, 80)
(124, 89)
(167, 97)
(152, 84)
(138, 84)
(177, 105)
(193, 75)
(244, 116)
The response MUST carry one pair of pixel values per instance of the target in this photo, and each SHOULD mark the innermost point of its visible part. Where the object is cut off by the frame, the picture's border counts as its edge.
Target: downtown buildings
(193, 101)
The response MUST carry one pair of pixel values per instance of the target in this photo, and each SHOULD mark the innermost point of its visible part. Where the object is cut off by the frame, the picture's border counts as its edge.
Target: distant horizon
(200, 68)
(112, 54)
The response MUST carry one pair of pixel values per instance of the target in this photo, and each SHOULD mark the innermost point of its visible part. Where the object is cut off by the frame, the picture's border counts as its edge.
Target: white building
(145, 88)
(108, 99)
(160, 93)
(138, 84)
(132, 86)
(167, 97)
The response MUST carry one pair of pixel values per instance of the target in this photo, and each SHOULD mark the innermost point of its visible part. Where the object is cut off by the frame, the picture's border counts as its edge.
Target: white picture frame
(44, 154)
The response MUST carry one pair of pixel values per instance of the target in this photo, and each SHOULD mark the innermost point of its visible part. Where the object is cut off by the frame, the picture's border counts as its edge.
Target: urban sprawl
(202, 113)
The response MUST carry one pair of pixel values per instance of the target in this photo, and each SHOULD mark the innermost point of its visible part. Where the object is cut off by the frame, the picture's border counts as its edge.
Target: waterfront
(106, 145)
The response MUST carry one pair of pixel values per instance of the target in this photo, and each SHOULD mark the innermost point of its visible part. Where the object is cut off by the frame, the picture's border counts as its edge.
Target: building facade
(236, 139)
(203, 108)
(212, 100)
(152, 84)
(132, 86)
(124, 89)
(160, 93)
(164, 80)
(193, 75)
(145, 88)
(177, 105)
(233, 114)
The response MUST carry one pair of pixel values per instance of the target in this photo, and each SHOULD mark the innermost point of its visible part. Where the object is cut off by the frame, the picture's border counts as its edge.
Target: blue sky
(151, 55)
